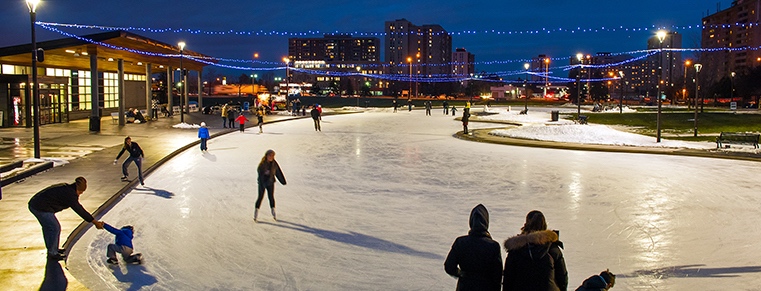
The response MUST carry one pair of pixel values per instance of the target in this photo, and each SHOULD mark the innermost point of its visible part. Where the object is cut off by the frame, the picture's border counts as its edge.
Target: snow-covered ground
(375, 200)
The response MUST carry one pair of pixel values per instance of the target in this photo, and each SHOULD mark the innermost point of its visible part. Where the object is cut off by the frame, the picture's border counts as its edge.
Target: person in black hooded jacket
(534, 258)
(475, 259)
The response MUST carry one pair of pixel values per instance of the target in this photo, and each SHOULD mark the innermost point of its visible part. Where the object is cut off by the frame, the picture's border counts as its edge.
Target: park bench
(737, 138)
(582, 119)
(114, 117)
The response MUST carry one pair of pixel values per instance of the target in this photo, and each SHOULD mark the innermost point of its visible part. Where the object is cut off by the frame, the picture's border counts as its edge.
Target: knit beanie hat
(81, 183)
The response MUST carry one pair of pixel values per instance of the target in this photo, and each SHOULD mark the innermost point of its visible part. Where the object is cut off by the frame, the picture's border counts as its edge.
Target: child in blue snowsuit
(122, 245)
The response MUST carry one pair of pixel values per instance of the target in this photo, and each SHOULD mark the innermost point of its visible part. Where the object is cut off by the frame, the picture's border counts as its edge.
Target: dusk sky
(369, 17)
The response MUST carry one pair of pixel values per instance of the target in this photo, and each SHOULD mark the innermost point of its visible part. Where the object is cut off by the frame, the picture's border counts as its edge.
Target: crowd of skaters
(534, 259)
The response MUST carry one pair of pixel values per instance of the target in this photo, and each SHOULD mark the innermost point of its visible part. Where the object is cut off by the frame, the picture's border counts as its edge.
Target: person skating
(409, 104)
(203, 134)
(395, 104)
(534, 258)
(260, 118)
(454, 110)
(224, 115)
(55, 198)
(475, 259)
(268, 170)
(135, 155)
(241, 121)
(232, 115)
(122, 245)
(465, 118)
(316, 118)
(446, 107)
(428, 107)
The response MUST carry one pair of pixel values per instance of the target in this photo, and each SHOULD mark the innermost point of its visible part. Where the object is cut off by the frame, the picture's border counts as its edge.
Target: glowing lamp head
(409, 59)
(286, 60)
(181, 45)
(32, 4)
(661, 34)
(579, 56)
(526, 66)
(687, 62)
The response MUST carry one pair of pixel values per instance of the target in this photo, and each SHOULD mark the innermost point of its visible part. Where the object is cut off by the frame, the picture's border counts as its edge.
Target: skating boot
(256, 214)
(136, 258)
(273, 214)
(112, 261)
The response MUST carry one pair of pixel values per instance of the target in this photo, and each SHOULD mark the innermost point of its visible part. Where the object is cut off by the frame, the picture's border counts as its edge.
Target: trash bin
(555, 115)
(246, 106)
(94, 123)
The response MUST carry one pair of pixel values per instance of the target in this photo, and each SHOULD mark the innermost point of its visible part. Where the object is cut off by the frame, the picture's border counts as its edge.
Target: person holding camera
(535, 258)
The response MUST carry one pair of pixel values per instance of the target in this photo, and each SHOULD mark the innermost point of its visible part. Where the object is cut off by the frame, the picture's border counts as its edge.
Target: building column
(120, 92)
(148, 91)
(200, 90)
(169, 87)
(95, 92)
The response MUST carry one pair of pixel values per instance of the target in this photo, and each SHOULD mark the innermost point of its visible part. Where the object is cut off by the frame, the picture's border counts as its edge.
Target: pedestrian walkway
(22, 251)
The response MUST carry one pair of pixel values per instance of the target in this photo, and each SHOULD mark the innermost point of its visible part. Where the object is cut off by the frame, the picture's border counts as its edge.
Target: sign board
(732, 105)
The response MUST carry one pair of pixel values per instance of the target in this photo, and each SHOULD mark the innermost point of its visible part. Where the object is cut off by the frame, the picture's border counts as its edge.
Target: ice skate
(125, 179)
(136, 258)
(112, 261)
(256, 214)
(273, 214)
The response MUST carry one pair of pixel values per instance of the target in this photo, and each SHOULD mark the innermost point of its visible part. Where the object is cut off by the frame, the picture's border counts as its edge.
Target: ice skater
(395, 105)
(316, 117)
(55, 198)
(465, 118)
(224, 115)
(454, 110)
(475, 259)
(260, 118)
(268, 170)
(445, 104)
(241, 121)
(122, 245)
(203, 134)
(135, 155)
(428, 107)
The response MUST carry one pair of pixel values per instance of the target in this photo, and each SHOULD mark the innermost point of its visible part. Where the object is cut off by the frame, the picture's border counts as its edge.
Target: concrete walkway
(23, 263)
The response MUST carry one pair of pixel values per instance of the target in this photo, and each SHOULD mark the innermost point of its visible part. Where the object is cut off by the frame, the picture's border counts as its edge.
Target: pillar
(94, 91)
(120, 93)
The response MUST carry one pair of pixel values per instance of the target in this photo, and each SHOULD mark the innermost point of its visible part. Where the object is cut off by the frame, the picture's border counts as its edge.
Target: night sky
(369, 16)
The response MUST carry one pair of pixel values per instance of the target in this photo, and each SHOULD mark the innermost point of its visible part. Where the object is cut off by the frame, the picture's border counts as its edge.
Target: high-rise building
(734, 27)
(669, 60)
(427, 48)
(463, 63)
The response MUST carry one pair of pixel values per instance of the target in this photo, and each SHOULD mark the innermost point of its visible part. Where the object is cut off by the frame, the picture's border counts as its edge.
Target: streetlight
(580, 58)
(621, 98)
(661, 34)
(409, 94)
(525, 87)
(287, 76)
(359, 83)
(32, 4)
(546, 75)
(697, 93)
(684, 80)
(732, 83)
(182, 81)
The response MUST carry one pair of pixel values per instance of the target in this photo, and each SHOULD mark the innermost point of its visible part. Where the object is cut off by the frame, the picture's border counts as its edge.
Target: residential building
(417, 51)
(463, 63)
(733, 28)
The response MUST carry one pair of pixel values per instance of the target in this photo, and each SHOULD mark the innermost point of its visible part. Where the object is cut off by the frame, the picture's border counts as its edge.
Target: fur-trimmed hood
(541, 237)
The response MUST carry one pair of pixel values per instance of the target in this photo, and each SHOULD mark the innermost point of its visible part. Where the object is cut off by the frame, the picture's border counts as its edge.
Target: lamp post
(32, 4)
(621, 97)
(732, 84)
(546, 76)
(182, 82)
(525, 87)
(580, 58)
(409, 94)
(684, 80)
(359, 83)
(697, 93)
(661, 36)
(287, 76)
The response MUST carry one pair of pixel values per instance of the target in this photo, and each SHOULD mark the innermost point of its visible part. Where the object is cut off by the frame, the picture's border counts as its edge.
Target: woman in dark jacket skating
(475, 259)
(268, 170)
(534, 258)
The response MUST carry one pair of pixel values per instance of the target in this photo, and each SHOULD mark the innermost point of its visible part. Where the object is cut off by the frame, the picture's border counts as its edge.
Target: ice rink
(375, 200)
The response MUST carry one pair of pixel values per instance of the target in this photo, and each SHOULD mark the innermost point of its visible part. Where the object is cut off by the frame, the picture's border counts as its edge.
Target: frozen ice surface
(375, 200)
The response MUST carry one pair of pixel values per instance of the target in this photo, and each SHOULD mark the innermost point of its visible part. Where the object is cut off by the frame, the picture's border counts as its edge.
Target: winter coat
(475, 259)
(203, 132)
(123, 235)
(59, 197)
(315, 114)
(594, 283)
(265, 171)
(134, 150)
(241, 119)
(535, 263)
(224, 111)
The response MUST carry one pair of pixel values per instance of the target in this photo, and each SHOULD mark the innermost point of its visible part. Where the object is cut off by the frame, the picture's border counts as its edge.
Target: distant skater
(260, 118)
(465, 118)
(268, 171)
(428, 107)
(409, 104)
(446, 107)
(454, 110)
(316, 118)
(203, 134)
(55, 198)
(135, 155)
(241, 121)
(232, 115)
(395, 105)
(224, 115)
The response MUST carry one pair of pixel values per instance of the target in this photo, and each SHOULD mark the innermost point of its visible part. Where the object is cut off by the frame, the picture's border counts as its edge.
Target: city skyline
(471, 25)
